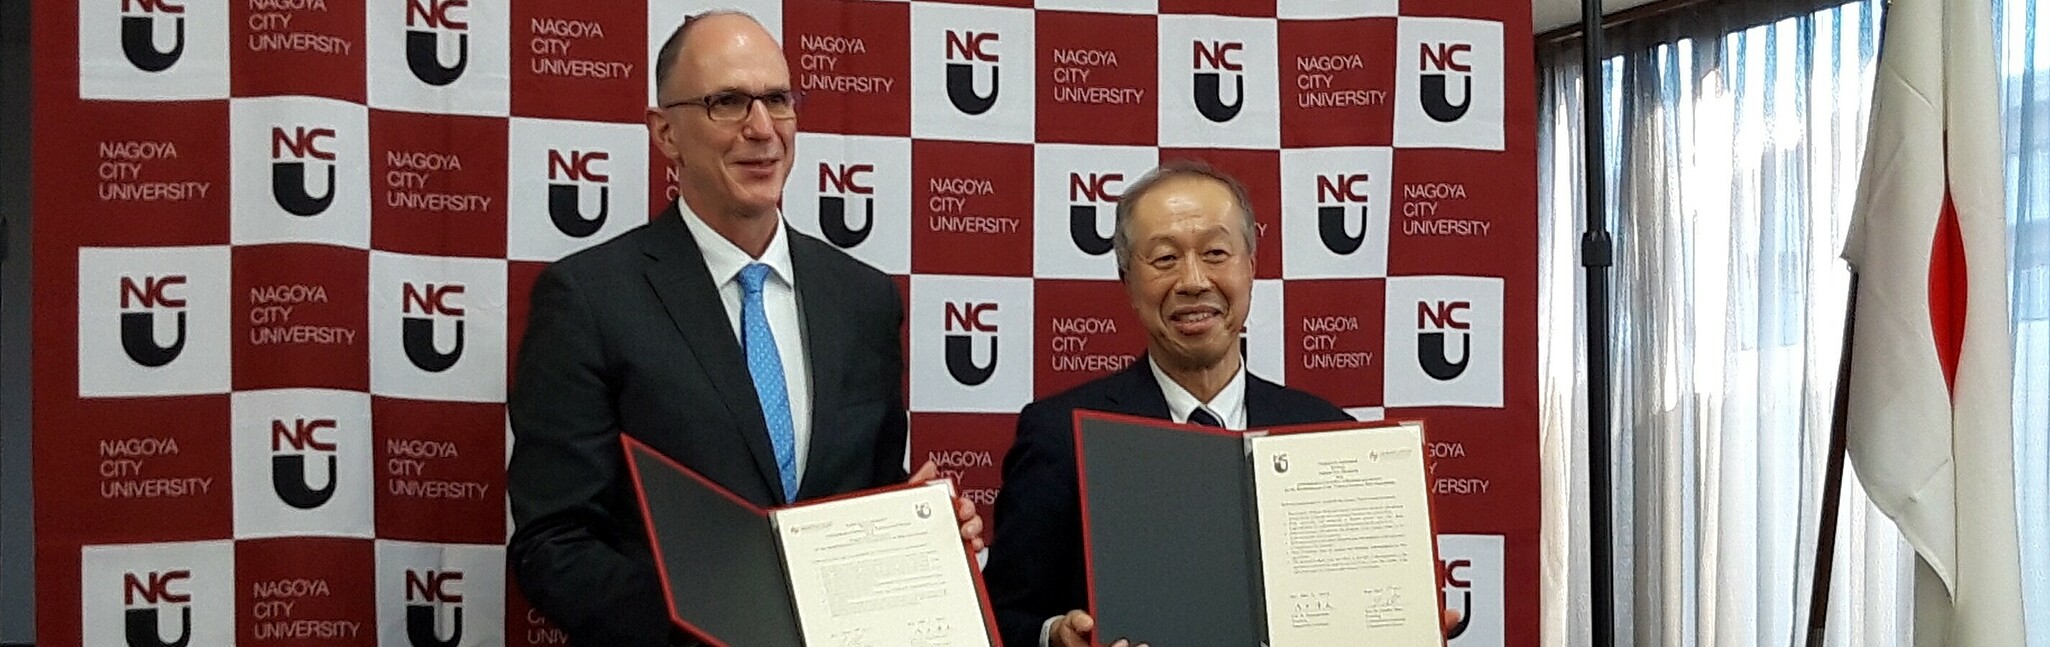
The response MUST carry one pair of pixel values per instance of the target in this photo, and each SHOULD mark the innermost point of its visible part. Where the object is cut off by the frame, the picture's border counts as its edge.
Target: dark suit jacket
(1035, 568)
(630, 337)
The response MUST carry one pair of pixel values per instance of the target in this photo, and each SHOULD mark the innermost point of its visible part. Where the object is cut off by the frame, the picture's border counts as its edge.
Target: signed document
(1304, 536)
(1345, 537)
(883, 567)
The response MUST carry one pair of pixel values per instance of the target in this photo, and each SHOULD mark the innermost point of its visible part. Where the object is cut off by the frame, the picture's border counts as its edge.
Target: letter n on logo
(565, 207)
(138, 34)
(967, 317)
(968, 46)
(288, 471)
(139, 329)
(418, 332)
(844, 179)
(1431, 346)
(139, 624)
(430, 589)
(423, 45)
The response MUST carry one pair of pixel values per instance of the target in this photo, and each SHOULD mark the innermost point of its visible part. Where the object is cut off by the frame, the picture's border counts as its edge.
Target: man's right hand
(1073, 630)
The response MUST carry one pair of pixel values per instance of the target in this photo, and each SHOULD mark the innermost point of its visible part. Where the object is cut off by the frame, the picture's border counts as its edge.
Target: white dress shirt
(779, 298)
(1229, 407)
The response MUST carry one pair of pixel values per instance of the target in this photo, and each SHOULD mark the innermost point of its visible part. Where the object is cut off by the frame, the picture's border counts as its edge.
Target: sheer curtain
(1734, 136)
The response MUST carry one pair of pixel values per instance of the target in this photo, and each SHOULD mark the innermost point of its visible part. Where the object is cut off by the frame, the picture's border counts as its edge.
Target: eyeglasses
(735, 105)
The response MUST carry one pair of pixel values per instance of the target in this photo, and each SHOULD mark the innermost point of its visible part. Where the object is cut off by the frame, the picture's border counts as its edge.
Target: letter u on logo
(1465, 616)
(1431, 355)
(139, 339)
(1331, 227)
(288, 478)
(566, 210)
(961, 88)
(418, 336)
(140, 625)
(288, 185)
(961, 360)
(420, 626)
(1210, 96)
(1438, 103)
(138, 42)
(423, 56)
(833, 221)
(1082, 229)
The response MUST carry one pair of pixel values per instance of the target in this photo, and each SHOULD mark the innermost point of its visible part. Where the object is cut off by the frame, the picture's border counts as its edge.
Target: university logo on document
(153, 321)
(437, 327)
(302, 463)
(971, 344)
(158, 595)
(1218, 83)
(572, 184)
(1471, 568)
(972, 73)
(1449, 83)
(299, 171)
(1444, 341)
(440, 56)
(854, 191)
(1075, 195)
(1335, 212)
(440, 595)
(153, 50)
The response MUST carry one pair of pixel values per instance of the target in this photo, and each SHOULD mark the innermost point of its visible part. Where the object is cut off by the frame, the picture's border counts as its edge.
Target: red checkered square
(440, 470)
(298, 48)
(580, 60)
(1333, 334)
(305, 591)
(301, 317)
(437, 184)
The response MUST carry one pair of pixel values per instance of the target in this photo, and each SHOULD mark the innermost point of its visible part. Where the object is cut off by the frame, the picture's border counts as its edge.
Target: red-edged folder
(861, 568)
(1176, 553)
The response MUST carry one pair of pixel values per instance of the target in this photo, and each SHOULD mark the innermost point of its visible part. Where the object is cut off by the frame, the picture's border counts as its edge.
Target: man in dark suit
(1184, 242)
(762, 358)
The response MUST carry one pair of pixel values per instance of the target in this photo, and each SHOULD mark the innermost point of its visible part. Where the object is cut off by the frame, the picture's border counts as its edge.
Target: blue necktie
(766, 366)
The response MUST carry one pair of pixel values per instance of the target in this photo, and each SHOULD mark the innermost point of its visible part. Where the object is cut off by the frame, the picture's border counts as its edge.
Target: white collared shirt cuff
(1046, 632)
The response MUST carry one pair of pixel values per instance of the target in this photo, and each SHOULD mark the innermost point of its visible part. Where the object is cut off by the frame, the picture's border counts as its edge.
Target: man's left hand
(964, 509)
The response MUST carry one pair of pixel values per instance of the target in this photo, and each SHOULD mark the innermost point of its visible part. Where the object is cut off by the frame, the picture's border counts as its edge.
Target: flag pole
(1596, 250)
(1832, 483)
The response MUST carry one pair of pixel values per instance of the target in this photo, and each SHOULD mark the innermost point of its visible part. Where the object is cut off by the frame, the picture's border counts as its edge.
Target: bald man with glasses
(762, 358)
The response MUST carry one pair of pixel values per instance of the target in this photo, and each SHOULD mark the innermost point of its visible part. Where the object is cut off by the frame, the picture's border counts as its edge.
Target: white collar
(1229, 406)
(725, 259)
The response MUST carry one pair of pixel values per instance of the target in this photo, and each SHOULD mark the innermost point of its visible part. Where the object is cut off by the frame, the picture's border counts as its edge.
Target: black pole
(1596, 249)
(1832, 483)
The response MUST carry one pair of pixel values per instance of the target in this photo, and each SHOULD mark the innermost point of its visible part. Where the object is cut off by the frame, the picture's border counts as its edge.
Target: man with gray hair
(1185, 245)
(763, 359)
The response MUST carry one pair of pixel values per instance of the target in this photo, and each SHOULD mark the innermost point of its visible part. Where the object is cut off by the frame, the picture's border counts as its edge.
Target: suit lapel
(1135, 392)
(680, 280)
(824, 343)
(1261, 409)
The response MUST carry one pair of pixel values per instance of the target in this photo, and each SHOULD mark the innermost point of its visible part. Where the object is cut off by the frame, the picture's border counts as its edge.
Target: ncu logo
(1436, 63)
(1210, 85)
(138, 34)
(1442, 316)
(1332, 225)
(288, 471)
(565, 203)
(288, 153)
(140, 624)
(970, 46)
(425, 20)
(139, 328)
(425, 592)
(845, 180)
(1085, 192)
(418, 333)
(968, 318)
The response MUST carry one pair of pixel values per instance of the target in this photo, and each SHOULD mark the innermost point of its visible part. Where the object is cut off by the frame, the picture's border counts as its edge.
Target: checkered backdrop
(283, 249)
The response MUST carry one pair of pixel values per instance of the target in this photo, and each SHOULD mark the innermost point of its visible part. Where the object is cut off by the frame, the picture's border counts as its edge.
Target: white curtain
(1734, 135)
